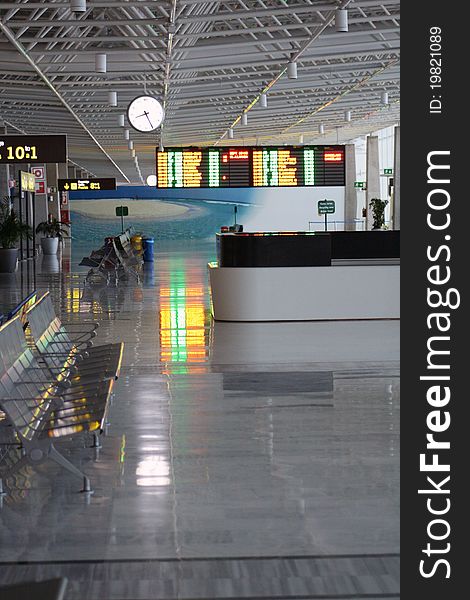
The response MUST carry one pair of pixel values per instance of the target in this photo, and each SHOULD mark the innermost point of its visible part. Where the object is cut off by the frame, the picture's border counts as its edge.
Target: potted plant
(378, 213)
(11, 230)
(53, 232)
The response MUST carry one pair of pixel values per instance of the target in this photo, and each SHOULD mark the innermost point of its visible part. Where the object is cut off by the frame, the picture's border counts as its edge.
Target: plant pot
(50, 263)
(8, 260)
(49, 245)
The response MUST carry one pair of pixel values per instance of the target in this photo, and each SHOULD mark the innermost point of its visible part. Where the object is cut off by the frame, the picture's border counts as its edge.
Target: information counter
(303, 276)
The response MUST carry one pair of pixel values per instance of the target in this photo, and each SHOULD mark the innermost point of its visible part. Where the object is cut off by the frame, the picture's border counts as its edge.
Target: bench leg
(96, 441)
(58, 458)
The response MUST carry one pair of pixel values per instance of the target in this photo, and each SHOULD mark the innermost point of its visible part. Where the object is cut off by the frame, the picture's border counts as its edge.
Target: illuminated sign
(79, 185)
(333, 157)
(33, 148)
(28, 181)
(252, 166)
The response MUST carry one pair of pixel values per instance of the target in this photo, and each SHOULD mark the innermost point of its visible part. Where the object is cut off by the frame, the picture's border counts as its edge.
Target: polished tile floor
(241, 460)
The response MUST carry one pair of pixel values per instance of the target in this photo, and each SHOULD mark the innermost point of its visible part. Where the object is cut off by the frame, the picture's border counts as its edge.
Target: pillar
(396, 180)
(350, 197)
(372, 175)
(63, 171)
(52, 175)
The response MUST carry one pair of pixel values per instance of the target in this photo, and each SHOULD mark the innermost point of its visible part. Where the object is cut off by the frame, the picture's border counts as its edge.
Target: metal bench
(41, 408)
(60, 351)
(129, 261)
(115, 259)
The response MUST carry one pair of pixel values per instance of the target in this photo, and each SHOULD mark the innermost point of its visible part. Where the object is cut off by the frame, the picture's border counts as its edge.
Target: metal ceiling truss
(208, 62)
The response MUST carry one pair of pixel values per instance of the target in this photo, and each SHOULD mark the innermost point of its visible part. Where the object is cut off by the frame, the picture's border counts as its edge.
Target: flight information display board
(251, 166)
(33, 149)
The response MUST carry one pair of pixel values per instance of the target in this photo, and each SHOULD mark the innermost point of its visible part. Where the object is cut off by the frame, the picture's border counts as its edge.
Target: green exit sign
(360, 184)
(388, 171)
(122, 211)
(326, 207)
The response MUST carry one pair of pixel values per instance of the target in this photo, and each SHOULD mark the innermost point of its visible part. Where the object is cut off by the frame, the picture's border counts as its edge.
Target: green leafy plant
(378, 212)
(52, 229)
(11, 228)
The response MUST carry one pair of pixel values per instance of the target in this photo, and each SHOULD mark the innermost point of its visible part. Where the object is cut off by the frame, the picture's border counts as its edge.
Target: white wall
(282, 209)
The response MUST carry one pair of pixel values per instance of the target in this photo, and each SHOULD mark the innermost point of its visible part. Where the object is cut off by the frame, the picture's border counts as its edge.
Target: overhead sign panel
(79, 185)
(33, 149)
(251, 166)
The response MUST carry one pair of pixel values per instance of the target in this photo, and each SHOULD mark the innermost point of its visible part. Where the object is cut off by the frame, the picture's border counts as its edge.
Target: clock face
(145, 113)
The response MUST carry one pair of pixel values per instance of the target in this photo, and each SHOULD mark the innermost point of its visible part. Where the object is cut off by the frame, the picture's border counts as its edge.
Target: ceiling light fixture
(112, 98)
(100, 63)
(384, 97)
(321, 129)
(78, 6)
(127, 134)
(121, 120)
(130, 145)
(292, 70)
(230, 133)
(341, 20)
(347, 115)
(244, 119)
(263, 101)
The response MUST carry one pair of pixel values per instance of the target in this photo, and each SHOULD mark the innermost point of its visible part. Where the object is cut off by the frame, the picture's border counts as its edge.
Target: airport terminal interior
(199, 299)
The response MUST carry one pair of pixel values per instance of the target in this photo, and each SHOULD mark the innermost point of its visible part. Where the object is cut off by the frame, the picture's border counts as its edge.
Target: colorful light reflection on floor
(183, 322)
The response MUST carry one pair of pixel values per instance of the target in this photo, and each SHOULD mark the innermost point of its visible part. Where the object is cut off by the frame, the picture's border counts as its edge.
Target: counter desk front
(305, 276)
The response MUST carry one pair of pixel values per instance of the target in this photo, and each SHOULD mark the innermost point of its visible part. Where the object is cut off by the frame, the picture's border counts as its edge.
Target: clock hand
(148, 119)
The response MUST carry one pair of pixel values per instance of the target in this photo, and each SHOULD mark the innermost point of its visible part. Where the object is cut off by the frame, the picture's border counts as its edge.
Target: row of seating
(54, 384)
(114, 260)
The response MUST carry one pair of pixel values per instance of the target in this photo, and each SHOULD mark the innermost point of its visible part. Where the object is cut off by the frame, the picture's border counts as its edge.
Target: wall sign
(75, 185)
(33, 149)
(251, 166)
(28, 181)
(40, 174)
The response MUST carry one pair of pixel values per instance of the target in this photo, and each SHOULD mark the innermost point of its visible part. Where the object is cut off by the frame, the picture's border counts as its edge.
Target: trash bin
(136, 242)
(148, 243)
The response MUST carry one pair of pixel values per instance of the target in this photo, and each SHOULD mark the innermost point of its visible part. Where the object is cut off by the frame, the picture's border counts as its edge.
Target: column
(4, 169)
(350, 193)
(372, 175)
(52, 175)
(64, 196)
(396, 180)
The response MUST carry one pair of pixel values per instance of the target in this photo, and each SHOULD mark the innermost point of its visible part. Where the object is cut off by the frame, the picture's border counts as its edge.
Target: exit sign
(326, 207)
(388, 171)
(360, 184)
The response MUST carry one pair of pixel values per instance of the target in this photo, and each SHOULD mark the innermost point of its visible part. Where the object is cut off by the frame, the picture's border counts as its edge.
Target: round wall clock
(145, 113)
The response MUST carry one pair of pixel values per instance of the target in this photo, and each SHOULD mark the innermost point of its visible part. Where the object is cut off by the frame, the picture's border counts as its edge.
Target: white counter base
(305, 293)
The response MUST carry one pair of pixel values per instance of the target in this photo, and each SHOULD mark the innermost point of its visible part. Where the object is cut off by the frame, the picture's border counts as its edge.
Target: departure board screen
(252, 166)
